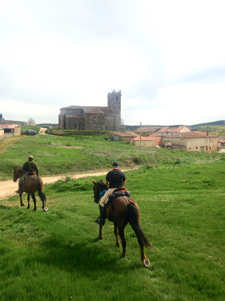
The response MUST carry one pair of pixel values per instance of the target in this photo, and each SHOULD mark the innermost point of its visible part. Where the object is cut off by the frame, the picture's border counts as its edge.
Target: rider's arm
(36, 169)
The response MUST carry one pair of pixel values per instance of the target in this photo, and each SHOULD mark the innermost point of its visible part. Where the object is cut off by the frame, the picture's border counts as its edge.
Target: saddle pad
(116, 194)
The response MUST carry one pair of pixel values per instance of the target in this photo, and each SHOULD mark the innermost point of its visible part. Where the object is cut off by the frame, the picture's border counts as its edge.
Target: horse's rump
(31, 183)
(120, 206)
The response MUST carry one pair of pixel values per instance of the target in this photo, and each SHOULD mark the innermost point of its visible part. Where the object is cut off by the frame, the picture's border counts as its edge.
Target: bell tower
(114, 103)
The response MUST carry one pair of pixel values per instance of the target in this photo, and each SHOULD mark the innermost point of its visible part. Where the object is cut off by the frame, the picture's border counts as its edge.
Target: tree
(31, 121)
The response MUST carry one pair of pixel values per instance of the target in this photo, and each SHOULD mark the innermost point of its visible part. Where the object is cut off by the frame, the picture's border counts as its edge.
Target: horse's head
(17, 174)
(98, 188)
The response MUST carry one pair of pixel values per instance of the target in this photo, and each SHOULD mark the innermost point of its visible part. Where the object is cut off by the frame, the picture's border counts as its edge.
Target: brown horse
(121, 211)
(31, 184)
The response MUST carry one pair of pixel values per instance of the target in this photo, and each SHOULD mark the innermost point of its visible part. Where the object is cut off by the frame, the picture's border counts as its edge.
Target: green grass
(57, 256)
(71, 154)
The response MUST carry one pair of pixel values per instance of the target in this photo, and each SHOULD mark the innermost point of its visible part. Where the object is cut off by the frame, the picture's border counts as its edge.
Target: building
(172, 131)
(221, 143)
(11, 129)
(1, 133)
(93, 118)
(146, 131)
(181, 138)
(150, 141)
(122, 136)
(192, 141)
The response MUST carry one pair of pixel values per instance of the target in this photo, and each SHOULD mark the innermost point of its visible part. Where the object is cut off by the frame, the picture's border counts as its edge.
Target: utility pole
(140, 136)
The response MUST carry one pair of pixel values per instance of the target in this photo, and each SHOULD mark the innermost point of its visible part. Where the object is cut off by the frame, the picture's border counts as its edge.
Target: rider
(29, 167)
(115, 179)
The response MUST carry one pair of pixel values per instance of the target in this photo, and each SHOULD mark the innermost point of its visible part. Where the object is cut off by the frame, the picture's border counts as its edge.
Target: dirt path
(8, 188)
(42, 131)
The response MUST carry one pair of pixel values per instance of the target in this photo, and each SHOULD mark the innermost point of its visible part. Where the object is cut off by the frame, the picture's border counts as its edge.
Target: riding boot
(101, 220)
(20, 187)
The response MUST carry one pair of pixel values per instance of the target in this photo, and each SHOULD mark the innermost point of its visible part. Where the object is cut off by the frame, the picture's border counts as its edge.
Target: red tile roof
(172, 129)
(9, 126)
(194, 134)
(124, 134)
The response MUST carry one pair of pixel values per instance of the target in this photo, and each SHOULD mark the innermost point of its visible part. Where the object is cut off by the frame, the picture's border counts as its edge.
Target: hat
(115, 164)
(30, 157)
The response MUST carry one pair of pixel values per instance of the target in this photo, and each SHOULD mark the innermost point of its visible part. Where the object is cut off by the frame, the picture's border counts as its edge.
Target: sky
(166, 57)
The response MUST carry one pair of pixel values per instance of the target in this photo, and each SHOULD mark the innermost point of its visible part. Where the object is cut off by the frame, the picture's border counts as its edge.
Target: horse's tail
(40, 190)
(133, 217)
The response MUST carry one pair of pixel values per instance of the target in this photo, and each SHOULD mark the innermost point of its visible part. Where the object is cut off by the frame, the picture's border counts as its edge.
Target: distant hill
(214, 123)
(48, 124)
(219, 122)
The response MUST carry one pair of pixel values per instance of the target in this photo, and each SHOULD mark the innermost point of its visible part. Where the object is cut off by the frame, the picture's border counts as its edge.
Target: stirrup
(99, 221)
(18, 191)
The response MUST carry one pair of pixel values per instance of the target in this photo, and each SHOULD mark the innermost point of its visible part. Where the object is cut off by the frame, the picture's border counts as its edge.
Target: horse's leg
(21, 200)
(100, 235)
(34, 200)
(144, 258)
(116, 234)
(123, 240)
(42, 196)
(28, 201)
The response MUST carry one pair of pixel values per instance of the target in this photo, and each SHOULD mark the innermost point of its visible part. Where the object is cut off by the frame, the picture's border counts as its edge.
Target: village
(108, 119)
(169, 137)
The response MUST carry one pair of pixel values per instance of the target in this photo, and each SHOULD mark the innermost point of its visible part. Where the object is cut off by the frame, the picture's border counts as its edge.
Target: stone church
(93, 118)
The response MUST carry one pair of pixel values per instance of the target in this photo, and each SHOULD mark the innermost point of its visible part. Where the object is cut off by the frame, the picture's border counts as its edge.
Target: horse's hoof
(45, 209)
(146, 262)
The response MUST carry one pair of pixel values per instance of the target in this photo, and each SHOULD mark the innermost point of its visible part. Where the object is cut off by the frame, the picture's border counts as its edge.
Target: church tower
(114, 103)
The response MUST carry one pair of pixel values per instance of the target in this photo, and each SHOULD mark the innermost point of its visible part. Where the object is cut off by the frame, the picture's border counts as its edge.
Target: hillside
(214, 123)
(219, 122)
(76, 153)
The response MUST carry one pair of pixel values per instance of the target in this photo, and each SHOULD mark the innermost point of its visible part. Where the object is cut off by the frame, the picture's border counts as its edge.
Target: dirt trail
(8, 188)
(42, 131)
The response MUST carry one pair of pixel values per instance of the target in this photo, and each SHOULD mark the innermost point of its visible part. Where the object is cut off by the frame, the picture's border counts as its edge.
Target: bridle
(98, 188)
(17, 174)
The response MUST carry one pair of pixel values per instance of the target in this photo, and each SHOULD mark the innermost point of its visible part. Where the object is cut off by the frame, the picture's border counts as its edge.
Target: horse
(121, 211)
(31, 184)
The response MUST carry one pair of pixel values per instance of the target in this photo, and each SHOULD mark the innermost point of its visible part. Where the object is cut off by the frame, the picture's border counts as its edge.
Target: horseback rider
(30, 165)
(114, 179)
(30, 168)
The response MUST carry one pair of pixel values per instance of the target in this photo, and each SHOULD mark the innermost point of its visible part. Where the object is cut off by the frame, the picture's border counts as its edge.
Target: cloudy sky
(166, 57)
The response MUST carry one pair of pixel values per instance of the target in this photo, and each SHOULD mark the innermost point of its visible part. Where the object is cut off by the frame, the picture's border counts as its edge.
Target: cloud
(213, 75)
(163, 55)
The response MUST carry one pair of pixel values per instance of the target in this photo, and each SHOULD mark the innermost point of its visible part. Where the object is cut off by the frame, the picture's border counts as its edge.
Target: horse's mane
(19, 169)
(101, 185)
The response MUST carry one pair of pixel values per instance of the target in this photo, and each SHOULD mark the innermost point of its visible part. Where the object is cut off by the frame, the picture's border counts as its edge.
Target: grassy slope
(71, 154)
(55, 255)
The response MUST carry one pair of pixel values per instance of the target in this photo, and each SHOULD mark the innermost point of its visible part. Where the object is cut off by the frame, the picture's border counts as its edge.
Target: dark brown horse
(123, 210)
(30, 184)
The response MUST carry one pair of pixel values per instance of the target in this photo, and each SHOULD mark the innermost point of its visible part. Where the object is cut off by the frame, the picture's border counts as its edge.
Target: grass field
(56, 255)
(71, 154)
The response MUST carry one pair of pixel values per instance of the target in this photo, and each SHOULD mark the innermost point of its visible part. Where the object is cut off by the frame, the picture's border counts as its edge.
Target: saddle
(30, 173)
(117, 192)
